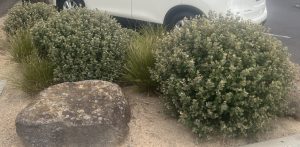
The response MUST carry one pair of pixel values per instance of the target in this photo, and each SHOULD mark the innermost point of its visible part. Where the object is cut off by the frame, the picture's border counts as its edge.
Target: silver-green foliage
(82, 44)
(223, 75)
(26, 16)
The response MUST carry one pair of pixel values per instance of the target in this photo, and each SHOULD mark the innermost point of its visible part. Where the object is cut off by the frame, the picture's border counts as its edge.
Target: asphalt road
(5, 5)
(283, 20)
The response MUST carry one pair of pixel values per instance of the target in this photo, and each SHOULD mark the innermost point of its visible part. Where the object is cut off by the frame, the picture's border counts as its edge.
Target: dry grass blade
(21, 45)
(141, 58)
(37, 75)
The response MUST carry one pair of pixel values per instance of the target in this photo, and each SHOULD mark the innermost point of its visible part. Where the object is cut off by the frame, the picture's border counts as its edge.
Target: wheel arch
(181, 8)
(56, 2)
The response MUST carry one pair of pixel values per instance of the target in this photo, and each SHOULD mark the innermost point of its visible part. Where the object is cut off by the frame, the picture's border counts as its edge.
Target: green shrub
(140, 57)
(223, 75)
(26, 16)
(82, 44)
(37, 74)
(21, 45)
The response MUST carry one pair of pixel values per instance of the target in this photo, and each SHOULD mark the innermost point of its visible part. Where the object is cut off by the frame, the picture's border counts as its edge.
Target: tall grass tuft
(21, 45)
(140, 57)
(37, 74)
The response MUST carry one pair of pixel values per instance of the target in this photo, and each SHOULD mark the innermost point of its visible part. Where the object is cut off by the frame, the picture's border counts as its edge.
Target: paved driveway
(284, 21)
(5, 5)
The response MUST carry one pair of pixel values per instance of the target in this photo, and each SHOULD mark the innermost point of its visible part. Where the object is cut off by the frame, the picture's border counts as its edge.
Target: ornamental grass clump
(82, 45)
(21, 45)
(223, 75)
(37, 74)
(140, 57)
(26, 16)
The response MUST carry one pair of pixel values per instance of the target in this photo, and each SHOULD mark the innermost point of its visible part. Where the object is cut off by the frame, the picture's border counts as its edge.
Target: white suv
(170, 12)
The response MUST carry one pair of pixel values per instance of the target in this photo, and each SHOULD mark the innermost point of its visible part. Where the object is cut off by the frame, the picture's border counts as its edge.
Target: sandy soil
(149, 127)
(12, 101)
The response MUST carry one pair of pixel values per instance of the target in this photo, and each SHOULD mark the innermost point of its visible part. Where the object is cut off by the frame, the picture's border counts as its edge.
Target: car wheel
(178, 20)
(70, 4)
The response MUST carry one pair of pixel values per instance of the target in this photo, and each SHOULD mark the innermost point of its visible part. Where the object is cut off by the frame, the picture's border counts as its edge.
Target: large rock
(87, 113)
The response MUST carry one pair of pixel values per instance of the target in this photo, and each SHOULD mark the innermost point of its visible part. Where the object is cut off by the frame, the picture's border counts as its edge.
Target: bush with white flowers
(26, 16)
(223, 75)
(82, 44)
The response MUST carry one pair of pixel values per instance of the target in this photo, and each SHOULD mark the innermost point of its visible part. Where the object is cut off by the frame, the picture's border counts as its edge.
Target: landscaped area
(216, 81)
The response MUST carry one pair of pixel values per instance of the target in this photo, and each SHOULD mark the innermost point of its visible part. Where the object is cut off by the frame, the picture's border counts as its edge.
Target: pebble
(2, 85)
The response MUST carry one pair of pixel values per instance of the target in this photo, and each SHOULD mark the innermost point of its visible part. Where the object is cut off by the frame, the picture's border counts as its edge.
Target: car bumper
(261, 19)
(257, 12)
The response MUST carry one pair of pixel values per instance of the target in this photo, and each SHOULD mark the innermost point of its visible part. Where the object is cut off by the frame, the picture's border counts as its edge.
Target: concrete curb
(290, 141)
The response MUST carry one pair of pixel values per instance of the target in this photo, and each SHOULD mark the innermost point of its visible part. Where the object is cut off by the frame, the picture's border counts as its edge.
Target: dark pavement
(5, 5)
(283, 20)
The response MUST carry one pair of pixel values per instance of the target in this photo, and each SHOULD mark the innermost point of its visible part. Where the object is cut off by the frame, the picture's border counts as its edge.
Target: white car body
(156, 11)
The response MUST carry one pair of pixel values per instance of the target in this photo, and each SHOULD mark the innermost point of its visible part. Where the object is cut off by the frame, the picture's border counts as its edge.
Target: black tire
(171, 23)
(60, 3)
(35, 1)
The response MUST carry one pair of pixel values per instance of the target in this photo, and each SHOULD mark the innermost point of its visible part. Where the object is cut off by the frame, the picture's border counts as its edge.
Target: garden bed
(149, 125)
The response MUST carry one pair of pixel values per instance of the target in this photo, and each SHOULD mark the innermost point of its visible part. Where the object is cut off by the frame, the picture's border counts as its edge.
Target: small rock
(2, 85)
(295, 106)
(87, 113)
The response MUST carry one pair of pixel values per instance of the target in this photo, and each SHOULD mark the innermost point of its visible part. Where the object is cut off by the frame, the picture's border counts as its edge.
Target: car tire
(35, 1)
(69, 4)
(176, 19)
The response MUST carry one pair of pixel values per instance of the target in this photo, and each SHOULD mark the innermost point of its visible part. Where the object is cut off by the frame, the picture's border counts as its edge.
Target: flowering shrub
(82, 44)
(223, 75)
(25, 16)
